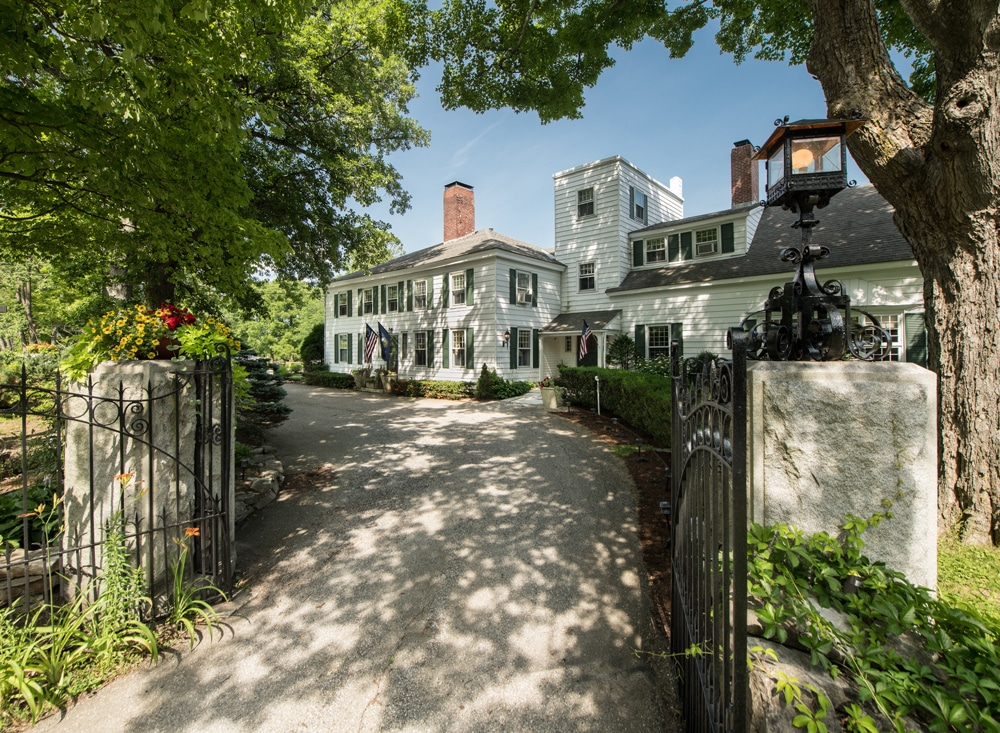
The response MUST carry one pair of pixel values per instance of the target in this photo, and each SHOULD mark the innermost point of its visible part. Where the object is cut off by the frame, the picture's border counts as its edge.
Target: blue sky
(669, 117)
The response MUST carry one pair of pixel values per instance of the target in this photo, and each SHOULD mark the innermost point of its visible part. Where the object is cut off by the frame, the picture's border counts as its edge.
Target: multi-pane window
(585, 202)
(369, 303)
(706, 241)
(392, 298)
(659, 341)
(587, 281)
(420, 348)
(890, 322)
(420, 294)
(342, 304)
(524, 288)
(342, 346)
(569, 343)
(458, 289)
(458, 348)
(656, 250)
(404, 343)
(524, 347)
(639, 206)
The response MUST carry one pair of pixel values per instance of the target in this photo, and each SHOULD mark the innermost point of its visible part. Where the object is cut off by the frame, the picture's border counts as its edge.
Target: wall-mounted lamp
(505, 338)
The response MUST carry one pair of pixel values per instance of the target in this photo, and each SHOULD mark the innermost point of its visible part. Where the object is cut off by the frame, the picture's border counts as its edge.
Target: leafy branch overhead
(542, 56)
(195, 140)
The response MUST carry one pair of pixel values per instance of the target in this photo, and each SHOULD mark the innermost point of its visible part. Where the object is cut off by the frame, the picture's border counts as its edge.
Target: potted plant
(550, 394)
(141, 333)
(361, 377)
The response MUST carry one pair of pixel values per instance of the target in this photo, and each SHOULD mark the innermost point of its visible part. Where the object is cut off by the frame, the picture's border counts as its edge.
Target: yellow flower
(210, 320)
(150, 354)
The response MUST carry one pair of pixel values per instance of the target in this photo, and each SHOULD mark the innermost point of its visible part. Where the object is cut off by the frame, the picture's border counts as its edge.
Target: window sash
(458, 349)
(656, 250)
(458, 289)
(587, 280)
(420, 348)
(392, 298)
(524, 347)
(342, 348)
(342, 304)
(369, 304)
(706, 241)
(658, 341)
(420, 294)
(523, 286)
(639, 208)
(585, 202)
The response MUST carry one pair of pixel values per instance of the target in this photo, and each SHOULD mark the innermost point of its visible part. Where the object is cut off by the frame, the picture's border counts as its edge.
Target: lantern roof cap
(848, 126)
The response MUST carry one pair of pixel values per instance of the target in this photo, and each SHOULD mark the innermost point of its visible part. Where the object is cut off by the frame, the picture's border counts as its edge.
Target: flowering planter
(550, 398)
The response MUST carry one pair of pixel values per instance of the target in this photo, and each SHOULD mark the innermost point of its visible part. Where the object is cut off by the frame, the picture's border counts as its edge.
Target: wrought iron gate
(99, 450)
(708, 531)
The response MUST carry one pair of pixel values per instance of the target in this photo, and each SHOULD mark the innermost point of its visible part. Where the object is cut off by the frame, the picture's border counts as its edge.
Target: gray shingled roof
(482, 240)
(857, 227)
(573, 322)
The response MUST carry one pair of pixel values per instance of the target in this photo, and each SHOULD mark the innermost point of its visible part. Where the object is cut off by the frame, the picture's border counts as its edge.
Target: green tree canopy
(197, 144)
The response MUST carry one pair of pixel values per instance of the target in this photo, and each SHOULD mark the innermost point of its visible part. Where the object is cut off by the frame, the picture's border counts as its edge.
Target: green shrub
(328, 379)
(642, 400)
(312, 349)
(484, 387)
(622, 352)
(435, 389)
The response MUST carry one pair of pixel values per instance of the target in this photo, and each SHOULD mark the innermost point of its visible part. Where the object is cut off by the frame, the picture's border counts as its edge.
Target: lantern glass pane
(776, 166)
(816, 155)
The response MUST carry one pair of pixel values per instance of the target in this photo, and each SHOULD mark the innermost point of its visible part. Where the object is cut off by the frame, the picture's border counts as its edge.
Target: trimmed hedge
(436, 389)
(329, 379)
(641, 400)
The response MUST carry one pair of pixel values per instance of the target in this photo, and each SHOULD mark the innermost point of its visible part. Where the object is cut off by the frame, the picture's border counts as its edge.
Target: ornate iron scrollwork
(809, 321)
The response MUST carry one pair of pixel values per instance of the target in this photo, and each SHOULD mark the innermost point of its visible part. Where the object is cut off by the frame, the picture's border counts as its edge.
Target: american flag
(371, 341)
(587, 333)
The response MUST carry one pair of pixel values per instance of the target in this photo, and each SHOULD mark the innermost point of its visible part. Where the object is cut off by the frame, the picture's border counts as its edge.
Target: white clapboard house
(625, 260)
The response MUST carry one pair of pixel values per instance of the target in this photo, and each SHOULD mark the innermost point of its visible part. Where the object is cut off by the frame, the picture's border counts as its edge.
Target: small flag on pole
(371, 341)
(587, 333)
(386, 343)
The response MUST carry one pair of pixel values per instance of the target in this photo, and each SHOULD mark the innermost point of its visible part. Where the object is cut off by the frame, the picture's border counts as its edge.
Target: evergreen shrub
(641, 400)
(328, 379)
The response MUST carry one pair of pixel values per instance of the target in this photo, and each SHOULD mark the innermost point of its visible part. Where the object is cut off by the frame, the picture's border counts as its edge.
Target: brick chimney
(459, 210)
(745, 176)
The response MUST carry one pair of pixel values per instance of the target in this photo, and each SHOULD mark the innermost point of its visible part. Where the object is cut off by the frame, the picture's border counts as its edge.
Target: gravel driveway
(454, 567)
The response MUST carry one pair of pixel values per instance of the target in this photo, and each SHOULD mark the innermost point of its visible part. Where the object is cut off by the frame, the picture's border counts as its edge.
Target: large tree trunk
(939, 166)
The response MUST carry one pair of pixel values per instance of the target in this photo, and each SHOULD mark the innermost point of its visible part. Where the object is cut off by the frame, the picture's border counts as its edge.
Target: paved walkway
(457, 567)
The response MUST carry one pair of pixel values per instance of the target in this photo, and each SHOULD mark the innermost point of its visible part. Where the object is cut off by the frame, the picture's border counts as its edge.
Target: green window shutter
(728, 245)
(409, 295)
(430, 347)
(469, 274)
(350, 351)
(513, 286)
(445, 355)
(445, 289)
(350, 311)
(687, 251)
(534, 348)
(430, 294)
(513, 347)
(470, 359)
(637, 253)
(336, 349)
(400, 295)
(336, 305)
(374, 299)
(534, 290)
(677, 334)
(384, 299)
(361, 349)
(645, 212)
(361, 301)
(916, 338)
(640, 340)
(674, 248)
(631, 202)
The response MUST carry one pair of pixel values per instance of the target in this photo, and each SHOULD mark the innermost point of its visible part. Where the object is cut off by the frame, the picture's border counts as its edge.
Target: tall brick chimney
(745, 176)
(459, 210)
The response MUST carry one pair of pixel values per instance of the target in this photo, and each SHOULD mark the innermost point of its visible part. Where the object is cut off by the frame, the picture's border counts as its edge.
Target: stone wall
(828, 439)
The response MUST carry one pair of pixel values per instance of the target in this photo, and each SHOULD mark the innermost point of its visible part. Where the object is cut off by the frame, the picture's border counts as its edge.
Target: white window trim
(592, 276)
(455, 291)
(582, 202)
(649, 340)
(416, 303)
(368, 298)
(389, 299)
(456, 362)
(524, 334)
(715, 242)
(523, 295)
(661, 249)
(343, 344)
(417, 350)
